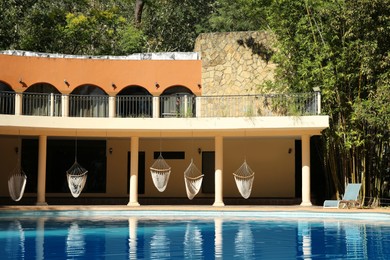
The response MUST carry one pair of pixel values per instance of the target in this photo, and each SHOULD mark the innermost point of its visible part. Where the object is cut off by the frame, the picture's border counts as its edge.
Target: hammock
(244, 179)
(17, 183)
(160, 172)
(77, 177)
(193, 180)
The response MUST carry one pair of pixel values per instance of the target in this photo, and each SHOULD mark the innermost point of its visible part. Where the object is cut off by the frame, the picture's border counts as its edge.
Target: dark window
(208, 169)
(60, 157)
(170, 155)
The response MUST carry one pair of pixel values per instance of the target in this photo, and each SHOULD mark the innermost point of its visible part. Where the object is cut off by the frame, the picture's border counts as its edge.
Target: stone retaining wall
(234, 62)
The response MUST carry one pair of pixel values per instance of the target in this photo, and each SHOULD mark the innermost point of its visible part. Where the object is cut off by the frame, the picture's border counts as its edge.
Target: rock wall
(234, 62)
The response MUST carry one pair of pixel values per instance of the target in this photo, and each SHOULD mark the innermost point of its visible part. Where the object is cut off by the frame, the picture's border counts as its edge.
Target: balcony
(172, 106)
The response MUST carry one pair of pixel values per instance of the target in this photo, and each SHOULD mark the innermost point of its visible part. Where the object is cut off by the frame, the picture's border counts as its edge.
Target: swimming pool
(180, 235)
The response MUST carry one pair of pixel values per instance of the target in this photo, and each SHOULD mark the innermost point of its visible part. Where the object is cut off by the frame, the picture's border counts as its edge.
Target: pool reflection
(215, 238)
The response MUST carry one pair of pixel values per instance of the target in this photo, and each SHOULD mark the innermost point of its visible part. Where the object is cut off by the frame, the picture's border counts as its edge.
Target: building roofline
(135, 56)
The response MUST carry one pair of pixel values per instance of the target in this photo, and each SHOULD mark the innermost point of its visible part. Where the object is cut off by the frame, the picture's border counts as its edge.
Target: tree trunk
(139, 5)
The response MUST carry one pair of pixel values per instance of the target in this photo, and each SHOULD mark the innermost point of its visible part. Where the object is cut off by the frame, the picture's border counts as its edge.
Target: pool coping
(289, 212)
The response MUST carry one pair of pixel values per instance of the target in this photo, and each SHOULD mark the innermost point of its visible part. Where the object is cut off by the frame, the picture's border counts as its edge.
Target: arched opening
(88, 101)
(177, 101)
(134, 101)
(7, 99)
(41, 99)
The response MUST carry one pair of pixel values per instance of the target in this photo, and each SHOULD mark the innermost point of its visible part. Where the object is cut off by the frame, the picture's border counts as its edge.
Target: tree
(343, 47)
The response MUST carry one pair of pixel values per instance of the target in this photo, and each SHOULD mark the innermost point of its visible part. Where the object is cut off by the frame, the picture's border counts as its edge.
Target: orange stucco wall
(100, 72)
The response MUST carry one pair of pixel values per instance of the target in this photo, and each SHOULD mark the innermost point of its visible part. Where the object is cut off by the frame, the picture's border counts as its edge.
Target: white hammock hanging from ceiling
(244, 179)
(160, 172)
(193, 179)
(17, 183)
(76, 177)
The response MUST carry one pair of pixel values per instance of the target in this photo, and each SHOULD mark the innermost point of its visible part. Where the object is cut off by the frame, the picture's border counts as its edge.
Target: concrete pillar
(133, 192)
(51, 104)
(65, 105)
(18, 104)
(306, 171)
(111, 107)
(218, 171)
(42, 152)
(198, 107)
(156, 107)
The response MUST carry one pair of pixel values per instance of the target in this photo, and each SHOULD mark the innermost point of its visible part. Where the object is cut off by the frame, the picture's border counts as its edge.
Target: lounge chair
(350, 197)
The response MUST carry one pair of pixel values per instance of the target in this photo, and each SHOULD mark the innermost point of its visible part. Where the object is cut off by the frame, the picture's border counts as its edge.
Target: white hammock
(160, 172)
(77, 177)
(193, 180)
(244, 179)
(17, 183)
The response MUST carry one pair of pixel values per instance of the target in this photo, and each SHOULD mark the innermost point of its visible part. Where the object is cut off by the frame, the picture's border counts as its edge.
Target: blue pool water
(72, 235)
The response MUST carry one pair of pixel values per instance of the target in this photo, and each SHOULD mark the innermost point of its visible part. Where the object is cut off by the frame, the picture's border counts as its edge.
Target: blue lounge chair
(350, 197)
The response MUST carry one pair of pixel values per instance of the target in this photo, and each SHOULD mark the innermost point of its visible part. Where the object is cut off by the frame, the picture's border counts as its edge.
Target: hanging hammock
(17, 183)
(193, 180)
(77, 177)
(244, 179)
(160, 172)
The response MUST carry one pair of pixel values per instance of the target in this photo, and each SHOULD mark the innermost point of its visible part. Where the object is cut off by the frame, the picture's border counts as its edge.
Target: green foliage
(343, 47)
(238, 15)
(173, 25)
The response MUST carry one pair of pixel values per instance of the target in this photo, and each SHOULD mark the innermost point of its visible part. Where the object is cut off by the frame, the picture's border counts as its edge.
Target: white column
(111, 107)
(306, 171)
(65, 105)
(218, 171)
(41, 189)
(198, 106)
(133, 192)
(18, 104)
(51, 104)
(156, 107)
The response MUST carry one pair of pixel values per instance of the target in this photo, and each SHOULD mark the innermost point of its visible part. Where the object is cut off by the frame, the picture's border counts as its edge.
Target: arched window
(88, 101)
(41, 99)
(134, 101)
(7, 99)
(177, 101)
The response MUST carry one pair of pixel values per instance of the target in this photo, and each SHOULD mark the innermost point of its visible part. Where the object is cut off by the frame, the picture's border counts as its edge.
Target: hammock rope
(76, 177)
(17, 181)
(193, 180)
(244, 177)
(160, 172)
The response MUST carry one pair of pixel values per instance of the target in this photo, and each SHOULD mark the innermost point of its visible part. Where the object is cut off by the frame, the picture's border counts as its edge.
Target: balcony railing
(178, 105)
(134, 106)
(41, 104)
(7, 102)
(88, 106)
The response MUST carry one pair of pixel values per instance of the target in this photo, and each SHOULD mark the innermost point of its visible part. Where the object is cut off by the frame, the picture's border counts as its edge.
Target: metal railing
(41, 104)
(177, 105)
(258, 105)
(134, 106)
(7, 102)
(88, 106)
